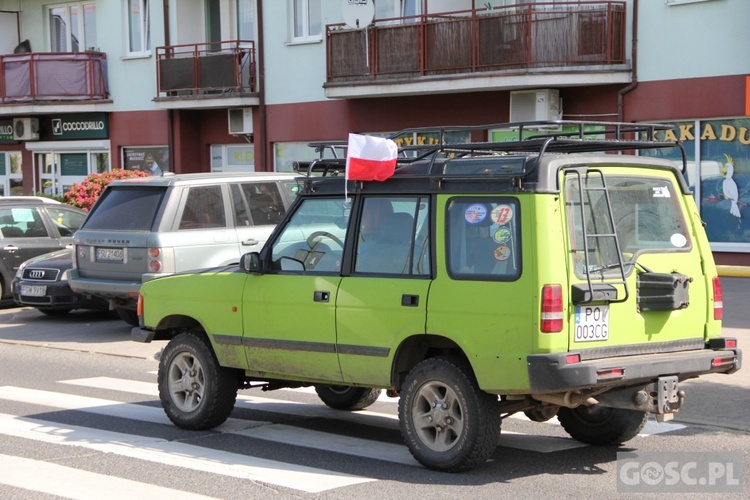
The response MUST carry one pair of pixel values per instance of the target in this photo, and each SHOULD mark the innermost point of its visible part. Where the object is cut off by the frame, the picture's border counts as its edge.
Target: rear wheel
(129, 316)
(448, 423)
(342, 397)
(600, 425)
(195, 391)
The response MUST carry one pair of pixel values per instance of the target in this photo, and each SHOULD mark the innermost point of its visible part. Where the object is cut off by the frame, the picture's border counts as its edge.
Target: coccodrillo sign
(80, 126)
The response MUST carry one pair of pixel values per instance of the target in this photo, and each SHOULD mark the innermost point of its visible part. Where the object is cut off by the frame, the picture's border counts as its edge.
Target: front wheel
(448, 423)
(347, 398)
(195, 391)
(602, 426)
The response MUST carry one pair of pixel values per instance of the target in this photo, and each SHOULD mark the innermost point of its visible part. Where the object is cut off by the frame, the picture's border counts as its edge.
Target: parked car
(154, 226)
(480, 280)
(31, 226)
(42, 282)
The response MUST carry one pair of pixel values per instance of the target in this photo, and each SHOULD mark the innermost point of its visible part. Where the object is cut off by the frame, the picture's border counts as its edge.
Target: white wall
(693, 40)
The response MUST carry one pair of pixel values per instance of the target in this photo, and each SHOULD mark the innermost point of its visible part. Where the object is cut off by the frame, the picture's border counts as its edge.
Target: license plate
(592, 323)
(110, 254)
(34, 290)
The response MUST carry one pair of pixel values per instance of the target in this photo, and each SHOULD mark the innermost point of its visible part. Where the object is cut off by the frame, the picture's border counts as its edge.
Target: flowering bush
(84, 194)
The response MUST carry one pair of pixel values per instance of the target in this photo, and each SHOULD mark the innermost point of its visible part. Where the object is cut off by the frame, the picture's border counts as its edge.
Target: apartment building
(222, 85)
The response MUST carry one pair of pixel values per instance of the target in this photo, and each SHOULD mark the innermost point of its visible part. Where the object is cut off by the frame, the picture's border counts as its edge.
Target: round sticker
(502, 235)
(502, 214)
(476, 213)
(678, 240)
(502, 252)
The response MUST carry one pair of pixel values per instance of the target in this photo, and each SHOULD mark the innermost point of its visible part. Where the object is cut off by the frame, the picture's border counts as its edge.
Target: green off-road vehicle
(480, 280)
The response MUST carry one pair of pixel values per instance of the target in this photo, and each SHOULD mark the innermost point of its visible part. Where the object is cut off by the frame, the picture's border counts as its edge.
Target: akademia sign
(80, 126)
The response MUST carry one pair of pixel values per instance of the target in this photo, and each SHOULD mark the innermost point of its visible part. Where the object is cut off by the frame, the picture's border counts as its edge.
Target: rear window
(645, 211)
(126, 209)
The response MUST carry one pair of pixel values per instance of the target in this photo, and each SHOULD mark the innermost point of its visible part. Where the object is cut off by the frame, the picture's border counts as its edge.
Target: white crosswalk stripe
(194, 457)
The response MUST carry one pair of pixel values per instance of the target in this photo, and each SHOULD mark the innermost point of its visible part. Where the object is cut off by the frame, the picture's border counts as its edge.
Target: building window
(232, 158)
(306, 20)
(72, 27)
(246, 19)
(139, 32)
(11, 174)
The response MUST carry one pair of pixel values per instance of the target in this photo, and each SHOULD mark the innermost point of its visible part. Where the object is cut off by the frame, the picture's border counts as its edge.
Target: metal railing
(40, 76)
(479, 40)
(226, 67)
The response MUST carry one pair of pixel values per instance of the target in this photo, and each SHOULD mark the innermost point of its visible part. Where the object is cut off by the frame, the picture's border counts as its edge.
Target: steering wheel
(313, 244)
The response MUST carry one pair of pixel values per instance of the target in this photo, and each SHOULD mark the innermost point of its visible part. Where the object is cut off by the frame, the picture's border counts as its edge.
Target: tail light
(551, 320)
(154, 260)
(718, 299)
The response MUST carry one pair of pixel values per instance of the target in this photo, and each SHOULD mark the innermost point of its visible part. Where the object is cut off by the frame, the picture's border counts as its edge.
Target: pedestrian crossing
(18, 473)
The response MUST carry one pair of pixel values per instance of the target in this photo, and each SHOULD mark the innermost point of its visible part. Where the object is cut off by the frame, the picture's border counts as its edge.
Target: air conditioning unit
(240, 121)
(25, 129)
(535, 105)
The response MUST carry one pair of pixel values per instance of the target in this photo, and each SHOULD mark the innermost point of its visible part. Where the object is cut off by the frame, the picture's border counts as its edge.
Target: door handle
(250, 242)
(321, 296)
(410, 300)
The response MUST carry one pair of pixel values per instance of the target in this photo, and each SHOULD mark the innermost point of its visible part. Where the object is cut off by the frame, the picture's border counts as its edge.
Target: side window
(394, 237)
(66, 221)
(21, 223)
(257, 203)
(313, 239)
(483, 238)
(204, 208)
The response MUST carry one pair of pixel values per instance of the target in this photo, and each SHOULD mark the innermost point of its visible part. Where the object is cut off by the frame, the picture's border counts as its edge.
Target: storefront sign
(80, 126)
(6, 132)
(154, 160)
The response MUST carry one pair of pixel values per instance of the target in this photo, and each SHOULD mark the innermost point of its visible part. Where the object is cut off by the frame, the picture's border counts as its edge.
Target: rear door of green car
(658, 244)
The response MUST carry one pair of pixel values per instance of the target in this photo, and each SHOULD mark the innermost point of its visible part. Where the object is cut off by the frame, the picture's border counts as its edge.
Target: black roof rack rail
(534, 137)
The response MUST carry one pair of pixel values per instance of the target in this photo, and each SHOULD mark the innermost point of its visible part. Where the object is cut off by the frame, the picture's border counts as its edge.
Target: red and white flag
(370, 158)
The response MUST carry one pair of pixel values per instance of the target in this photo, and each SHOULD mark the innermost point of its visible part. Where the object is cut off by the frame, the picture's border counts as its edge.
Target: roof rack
(534, 137)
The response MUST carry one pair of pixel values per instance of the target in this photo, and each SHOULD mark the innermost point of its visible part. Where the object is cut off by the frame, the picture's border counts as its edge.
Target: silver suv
(143, 228)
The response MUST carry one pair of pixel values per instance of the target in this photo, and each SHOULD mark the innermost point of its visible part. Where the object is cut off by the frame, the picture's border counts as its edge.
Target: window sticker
(502, 252)
(476, 213)
(678, 240)
(661, 192)
(502, 214)
(502, 235)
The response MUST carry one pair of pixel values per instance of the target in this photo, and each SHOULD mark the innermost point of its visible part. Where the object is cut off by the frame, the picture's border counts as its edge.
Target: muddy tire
(602, 426)
(196, 393)
(342, 397)
(447, 422)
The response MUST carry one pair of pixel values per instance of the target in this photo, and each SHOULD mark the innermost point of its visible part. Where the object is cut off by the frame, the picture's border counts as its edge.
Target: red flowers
(84, 194)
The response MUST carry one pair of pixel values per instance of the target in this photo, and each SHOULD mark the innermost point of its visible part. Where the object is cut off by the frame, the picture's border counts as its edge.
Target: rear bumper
(108, 289)
(552, 373)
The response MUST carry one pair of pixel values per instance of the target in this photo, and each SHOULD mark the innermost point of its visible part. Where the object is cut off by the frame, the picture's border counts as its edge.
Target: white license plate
(110, 254)
(592, 323)
(34, 290)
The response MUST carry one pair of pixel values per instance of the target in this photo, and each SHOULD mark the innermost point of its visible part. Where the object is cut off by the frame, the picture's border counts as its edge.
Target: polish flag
(370, 158)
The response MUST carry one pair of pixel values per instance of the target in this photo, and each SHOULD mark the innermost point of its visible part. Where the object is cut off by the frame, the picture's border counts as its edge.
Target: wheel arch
(171, 326)
(418, 348)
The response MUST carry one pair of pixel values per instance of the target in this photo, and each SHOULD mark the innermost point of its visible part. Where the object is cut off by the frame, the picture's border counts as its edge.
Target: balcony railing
(516, 37)
(214, 68)
(53, 76)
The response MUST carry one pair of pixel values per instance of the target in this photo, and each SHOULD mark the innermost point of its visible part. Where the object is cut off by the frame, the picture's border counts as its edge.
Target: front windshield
(645, 212)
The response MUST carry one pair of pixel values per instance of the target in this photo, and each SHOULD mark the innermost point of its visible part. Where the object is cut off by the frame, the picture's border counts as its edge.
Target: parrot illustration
(729, 186)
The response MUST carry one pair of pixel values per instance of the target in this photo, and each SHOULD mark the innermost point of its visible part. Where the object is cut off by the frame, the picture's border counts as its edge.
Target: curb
(734, 271)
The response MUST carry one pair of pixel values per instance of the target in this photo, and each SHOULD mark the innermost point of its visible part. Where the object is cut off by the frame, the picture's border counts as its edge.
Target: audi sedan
(42, 282)
(32, 226)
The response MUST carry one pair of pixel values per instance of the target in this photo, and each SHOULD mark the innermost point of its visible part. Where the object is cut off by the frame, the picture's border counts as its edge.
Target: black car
(42, 282)
(31, 226)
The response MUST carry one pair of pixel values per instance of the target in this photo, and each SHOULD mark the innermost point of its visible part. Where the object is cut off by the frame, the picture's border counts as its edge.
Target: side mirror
(250, 263)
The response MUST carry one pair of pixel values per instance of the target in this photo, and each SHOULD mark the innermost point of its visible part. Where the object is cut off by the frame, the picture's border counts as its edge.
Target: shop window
(11, 174)
(151, 159)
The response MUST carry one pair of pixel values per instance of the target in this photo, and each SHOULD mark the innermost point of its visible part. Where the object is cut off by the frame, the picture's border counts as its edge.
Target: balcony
(37, 77)
(211, 74)
(522, 45)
